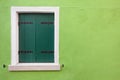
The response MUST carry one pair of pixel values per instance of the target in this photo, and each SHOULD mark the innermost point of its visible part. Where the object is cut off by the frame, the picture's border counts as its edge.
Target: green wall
(89, 40)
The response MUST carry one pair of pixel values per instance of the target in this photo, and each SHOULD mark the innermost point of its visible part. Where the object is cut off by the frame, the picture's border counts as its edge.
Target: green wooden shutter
(36, 37)
(26, 38)
(45, 37)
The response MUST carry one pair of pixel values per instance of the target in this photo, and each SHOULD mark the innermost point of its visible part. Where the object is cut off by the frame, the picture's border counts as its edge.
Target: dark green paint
(36, 34)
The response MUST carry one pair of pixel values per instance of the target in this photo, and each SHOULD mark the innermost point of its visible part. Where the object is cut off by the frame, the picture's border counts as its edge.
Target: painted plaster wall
(89, 40)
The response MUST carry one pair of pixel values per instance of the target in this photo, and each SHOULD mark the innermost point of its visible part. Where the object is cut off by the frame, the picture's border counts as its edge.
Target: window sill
(34, 67)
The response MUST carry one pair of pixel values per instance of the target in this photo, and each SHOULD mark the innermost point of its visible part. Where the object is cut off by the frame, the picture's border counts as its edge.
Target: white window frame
(15, 65)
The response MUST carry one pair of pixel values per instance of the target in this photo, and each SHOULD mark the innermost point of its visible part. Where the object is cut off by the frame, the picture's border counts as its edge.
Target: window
(34, 38)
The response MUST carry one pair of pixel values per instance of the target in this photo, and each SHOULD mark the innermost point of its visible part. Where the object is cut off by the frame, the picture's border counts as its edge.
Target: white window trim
(15, 65)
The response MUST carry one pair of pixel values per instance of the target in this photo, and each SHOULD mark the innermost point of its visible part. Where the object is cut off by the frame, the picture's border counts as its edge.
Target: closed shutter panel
(45, 37)
(26, 38)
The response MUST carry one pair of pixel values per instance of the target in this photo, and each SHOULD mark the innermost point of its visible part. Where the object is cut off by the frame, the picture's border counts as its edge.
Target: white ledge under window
(34, 67)
(16, 65)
